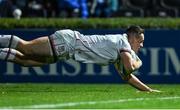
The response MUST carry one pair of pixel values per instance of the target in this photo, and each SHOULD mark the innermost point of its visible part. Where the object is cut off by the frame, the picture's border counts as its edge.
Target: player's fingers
(155, 91)
(152, 91)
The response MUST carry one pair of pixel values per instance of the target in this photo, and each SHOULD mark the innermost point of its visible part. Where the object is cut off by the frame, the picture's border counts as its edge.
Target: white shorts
(63, 44)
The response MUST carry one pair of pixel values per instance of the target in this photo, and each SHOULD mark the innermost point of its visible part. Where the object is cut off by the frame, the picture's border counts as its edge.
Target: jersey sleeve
(124, 46)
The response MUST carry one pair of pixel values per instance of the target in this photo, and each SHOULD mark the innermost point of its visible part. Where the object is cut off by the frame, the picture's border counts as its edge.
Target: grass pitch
(103, 96)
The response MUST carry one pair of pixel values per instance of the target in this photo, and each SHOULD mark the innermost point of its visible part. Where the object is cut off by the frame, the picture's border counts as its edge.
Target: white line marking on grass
(71, 104)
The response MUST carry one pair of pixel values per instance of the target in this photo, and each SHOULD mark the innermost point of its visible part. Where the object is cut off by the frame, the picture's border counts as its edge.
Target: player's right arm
(131, 64)
(136, 83)
(127, 64)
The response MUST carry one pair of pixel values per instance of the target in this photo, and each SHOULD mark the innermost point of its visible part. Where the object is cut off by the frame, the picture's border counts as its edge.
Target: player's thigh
(25, 61)
(32, 60)
(36, 47)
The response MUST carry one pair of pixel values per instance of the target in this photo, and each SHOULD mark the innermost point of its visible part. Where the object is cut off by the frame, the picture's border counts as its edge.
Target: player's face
(137, 42)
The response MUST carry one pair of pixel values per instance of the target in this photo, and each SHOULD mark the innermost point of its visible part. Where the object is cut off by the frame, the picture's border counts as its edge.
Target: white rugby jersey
(100, 49)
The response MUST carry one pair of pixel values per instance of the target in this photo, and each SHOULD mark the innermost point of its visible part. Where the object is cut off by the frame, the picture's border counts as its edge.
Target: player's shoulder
(124, 42)
(124, 39)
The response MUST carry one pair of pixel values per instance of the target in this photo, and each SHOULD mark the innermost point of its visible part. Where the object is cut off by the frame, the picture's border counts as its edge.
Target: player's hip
(63, 43)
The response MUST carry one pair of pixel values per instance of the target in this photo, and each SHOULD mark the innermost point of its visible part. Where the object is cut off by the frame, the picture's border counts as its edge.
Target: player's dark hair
(134, 30)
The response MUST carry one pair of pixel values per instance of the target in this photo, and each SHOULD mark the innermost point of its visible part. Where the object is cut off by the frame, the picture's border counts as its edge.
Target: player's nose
(141, 45)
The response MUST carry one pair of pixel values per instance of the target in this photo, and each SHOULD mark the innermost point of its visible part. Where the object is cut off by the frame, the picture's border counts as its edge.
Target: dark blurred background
(89, 8)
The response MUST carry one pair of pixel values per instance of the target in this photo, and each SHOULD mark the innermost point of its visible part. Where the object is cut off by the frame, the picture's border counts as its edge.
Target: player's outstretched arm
(135, 82)
(131, 64)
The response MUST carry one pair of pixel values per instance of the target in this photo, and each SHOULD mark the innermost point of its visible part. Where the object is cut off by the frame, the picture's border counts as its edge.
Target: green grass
(87, 96)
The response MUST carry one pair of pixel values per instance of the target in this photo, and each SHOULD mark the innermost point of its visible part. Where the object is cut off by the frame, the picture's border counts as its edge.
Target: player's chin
(136, 51)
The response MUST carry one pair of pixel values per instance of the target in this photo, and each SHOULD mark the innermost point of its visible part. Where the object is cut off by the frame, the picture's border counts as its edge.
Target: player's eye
(141, 41)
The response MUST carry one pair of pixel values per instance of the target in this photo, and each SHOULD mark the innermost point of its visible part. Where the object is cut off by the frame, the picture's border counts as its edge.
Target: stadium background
(160, 55)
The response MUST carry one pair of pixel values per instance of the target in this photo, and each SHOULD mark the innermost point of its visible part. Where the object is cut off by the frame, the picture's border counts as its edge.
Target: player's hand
(154, 90)
(150, 91)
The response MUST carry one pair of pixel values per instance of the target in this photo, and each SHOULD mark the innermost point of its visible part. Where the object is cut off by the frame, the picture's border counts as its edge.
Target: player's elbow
(133, 66)
(129, 69)
(136, 65)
